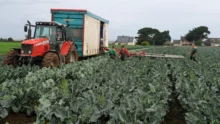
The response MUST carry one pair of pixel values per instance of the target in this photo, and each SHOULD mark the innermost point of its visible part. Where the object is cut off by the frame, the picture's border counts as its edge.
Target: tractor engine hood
(36, 42)
(35, 47)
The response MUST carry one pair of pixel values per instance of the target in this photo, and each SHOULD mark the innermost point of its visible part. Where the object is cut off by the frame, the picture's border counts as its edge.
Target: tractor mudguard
(65, 48)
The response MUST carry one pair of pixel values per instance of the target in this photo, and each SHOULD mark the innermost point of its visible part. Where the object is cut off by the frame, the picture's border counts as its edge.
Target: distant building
(212, 42)
(125, 40)
(168, 43)
(184, 41)
(176, 43)
(181, 42)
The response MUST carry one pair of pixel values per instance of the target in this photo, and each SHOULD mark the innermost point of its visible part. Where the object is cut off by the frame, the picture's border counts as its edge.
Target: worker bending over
(123, 52)
(113, 53)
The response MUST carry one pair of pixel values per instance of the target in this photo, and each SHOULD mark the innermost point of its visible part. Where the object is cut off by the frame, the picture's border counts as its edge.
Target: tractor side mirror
(25, 28)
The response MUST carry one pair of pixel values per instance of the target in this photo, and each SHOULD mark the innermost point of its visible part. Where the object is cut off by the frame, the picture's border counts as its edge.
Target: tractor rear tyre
(72, 55)
(51, 59)
(10, 58)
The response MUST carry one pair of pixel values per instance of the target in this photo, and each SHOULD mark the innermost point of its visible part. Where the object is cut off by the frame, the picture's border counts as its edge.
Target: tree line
(10, 39)
(6, 39)
(153, 36)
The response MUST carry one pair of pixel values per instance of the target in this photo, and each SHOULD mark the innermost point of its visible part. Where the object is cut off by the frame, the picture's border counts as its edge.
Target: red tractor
(51, 45)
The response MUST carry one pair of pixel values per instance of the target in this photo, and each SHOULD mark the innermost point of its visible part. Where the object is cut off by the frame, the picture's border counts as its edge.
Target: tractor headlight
(22, 51)
(29, 52)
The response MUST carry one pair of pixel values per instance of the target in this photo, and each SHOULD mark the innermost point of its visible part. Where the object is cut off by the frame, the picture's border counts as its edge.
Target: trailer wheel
(10, 58)
(72, 55)
(51, 59)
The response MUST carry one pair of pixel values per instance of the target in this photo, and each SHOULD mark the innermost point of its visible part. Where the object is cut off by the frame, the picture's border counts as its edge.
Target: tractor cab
(54, 32)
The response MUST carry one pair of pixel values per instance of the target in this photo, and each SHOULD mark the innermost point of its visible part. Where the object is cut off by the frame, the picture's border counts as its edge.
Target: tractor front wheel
(51, 59)
(10, 58)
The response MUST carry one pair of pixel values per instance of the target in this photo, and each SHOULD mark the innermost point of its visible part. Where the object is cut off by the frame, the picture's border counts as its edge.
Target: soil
(176, 114)
(18, 118)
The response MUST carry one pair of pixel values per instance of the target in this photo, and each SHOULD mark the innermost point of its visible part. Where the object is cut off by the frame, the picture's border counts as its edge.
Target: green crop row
(100, 90)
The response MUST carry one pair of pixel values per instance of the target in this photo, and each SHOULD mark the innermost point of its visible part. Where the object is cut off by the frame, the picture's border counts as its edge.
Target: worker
(113, 53)
(123, 52)
(59, 34)
(193, 52)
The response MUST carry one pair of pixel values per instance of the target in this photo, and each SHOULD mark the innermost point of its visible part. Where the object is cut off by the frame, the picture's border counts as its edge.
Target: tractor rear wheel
(72, 55)
(10, 58)
(51, 59)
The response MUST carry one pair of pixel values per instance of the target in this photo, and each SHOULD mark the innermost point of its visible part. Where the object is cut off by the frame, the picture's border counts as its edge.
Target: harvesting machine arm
(154, 55)
(143, 53)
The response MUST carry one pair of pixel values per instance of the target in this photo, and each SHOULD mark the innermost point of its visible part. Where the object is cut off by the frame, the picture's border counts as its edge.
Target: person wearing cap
(123, 52)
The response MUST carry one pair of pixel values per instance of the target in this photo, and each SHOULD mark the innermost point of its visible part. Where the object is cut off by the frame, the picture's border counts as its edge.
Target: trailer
(90, 32)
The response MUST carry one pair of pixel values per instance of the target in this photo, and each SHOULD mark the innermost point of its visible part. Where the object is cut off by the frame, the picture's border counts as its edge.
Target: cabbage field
(104, 91)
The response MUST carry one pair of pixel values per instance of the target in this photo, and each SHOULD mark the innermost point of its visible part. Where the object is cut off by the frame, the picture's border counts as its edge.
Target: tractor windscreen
(43, 31)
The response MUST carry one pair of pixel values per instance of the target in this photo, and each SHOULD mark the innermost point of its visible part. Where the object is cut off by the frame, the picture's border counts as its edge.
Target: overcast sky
(125, 16)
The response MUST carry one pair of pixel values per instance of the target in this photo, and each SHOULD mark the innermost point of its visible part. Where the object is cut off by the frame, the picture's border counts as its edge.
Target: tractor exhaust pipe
(28, 30)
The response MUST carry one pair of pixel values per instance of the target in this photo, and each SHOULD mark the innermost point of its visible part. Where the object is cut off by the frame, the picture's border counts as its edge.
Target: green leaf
(45, 103)
(96, 114)
(16, 109)
(3, 112)
(5, 103)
